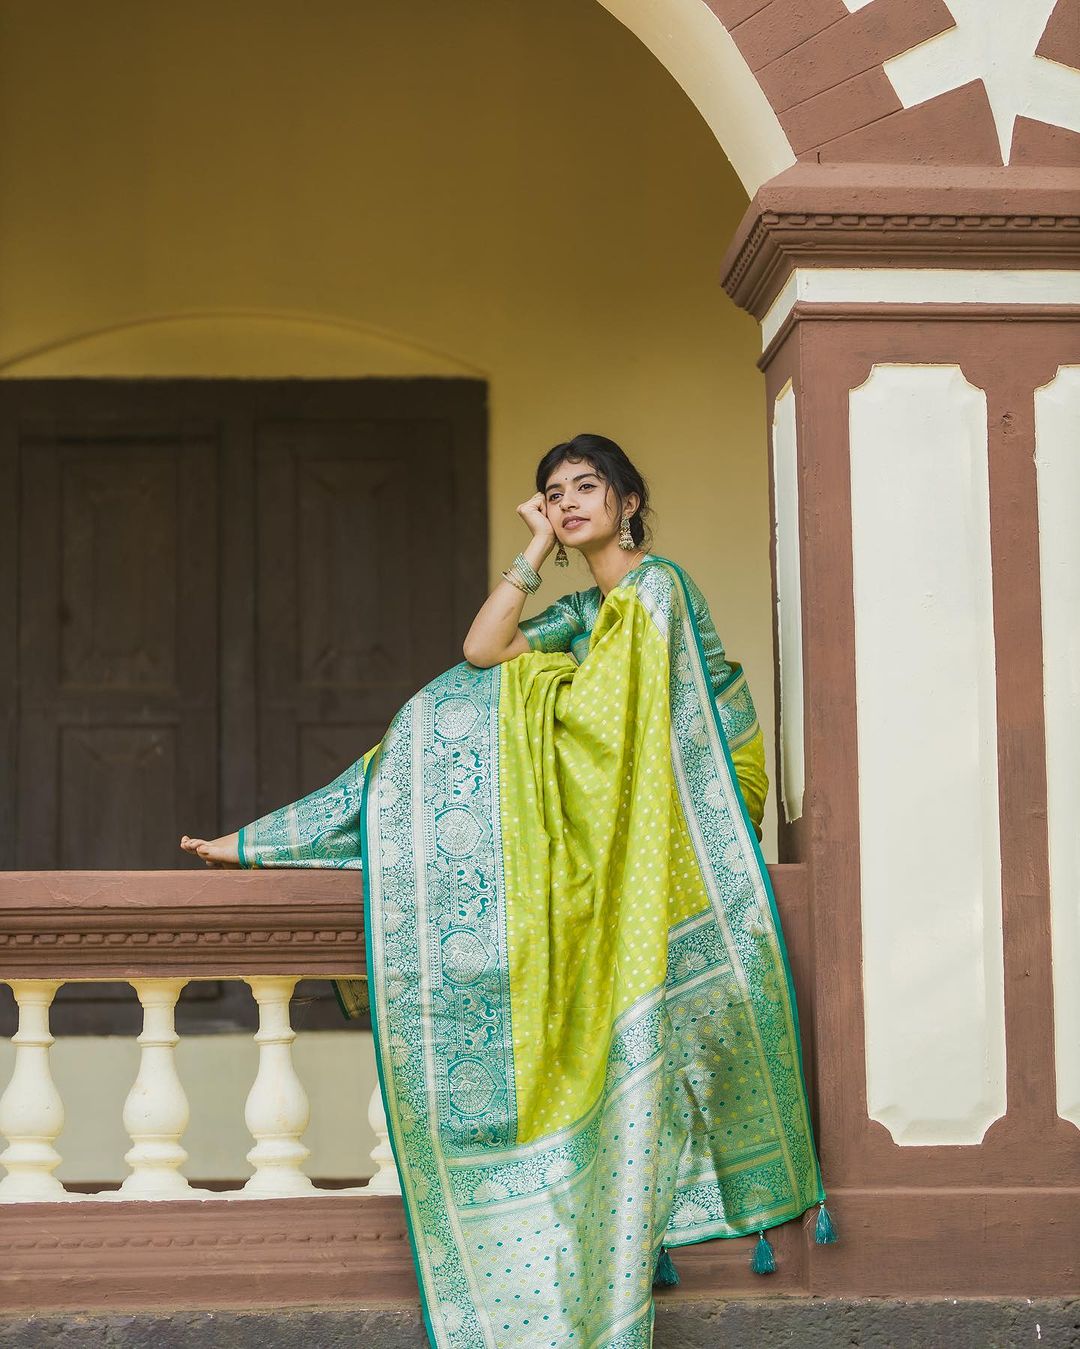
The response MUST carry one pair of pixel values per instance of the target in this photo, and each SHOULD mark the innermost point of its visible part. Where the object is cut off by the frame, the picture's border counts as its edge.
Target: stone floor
(759, 1323)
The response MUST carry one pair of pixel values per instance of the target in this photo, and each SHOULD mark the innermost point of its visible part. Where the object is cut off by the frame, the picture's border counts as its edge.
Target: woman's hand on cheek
(534, 513)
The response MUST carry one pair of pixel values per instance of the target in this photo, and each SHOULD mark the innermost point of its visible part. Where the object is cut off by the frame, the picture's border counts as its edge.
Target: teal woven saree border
(760, 856)
(398, 820)
(392, 1126)
(751, 838)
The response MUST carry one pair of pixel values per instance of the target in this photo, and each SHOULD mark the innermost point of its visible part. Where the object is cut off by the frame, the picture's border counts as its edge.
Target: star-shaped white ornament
(994, 43)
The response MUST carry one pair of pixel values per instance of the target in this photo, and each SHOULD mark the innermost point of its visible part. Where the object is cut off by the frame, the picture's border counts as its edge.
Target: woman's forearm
(494, 635)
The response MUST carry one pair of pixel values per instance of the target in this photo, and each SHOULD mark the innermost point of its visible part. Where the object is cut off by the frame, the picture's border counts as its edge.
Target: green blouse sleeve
(554, 628)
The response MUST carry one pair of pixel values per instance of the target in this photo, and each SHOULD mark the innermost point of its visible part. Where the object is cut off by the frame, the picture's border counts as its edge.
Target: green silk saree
(583, 1015)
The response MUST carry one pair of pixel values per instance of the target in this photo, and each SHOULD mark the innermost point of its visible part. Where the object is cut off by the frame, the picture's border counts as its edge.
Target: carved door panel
(117, 736)
(355, 531)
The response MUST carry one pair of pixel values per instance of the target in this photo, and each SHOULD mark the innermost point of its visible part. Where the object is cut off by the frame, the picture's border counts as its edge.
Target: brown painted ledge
(215, 924)
(337, 1250)
(132, 924)
(276, 1252)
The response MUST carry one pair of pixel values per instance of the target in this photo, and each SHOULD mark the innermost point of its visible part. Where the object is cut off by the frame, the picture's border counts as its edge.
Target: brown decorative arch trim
(853, 45)
(954, 129)
(1060, 41)
(821, 66)
(1037, 143)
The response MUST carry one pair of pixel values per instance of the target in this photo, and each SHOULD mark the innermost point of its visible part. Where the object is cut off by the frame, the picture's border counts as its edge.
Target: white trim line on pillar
(926, 716)
(1057, 460)
(918, 285)
(788, 601)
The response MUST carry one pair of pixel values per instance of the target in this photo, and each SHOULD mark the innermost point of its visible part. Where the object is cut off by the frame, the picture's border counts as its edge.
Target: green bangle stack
(526, 572)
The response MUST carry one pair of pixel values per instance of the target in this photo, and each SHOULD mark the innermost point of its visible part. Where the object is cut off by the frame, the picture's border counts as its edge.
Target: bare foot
(215, 852)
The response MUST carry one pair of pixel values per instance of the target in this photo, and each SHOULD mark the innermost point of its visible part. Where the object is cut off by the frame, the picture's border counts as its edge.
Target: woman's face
(581, 506)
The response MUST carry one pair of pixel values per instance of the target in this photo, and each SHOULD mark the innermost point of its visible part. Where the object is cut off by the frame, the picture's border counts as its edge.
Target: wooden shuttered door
(216, 594)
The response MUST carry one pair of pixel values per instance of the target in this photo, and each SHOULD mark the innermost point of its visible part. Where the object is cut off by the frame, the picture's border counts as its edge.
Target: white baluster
(156, 1110)
(276, 1113)
(31, 1111)
(386, 1179)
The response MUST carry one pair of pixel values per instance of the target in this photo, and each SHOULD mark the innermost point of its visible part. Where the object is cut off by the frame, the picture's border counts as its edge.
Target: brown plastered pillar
(851, 267)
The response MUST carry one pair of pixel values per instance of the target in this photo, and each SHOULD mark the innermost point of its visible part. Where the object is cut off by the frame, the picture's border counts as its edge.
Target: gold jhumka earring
(561, 560)
(626, 539)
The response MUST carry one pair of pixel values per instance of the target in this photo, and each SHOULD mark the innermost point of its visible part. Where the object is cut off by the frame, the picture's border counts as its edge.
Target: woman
(585, 1028)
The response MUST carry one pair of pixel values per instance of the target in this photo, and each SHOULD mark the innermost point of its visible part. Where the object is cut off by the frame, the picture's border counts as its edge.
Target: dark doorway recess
(215, 595)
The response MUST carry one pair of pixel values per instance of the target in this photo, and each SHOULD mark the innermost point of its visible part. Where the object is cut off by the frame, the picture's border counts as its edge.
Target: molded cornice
(881, 215)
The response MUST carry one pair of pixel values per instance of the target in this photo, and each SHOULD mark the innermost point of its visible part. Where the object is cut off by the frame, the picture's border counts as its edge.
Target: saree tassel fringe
(763, 1261)
(824, 1231)
(666, 1276)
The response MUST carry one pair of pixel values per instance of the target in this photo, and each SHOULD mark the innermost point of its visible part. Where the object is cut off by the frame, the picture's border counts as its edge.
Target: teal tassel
(824, 1232)
(666, 1276)
(762, 1261)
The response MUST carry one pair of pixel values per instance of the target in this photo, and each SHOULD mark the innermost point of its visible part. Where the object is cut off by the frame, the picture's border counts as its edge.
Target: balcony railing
(157, 931)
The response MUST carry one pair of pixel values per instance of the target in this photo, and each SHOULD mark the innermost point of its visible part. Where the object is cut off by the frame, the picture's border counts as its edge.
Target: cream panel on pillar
(1057, 459)
(788, 602)
(933, 983)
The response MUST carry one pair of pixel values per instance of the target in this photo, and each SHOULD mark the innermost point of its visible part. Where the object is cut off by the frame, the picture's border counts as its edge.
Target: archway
(861, 81)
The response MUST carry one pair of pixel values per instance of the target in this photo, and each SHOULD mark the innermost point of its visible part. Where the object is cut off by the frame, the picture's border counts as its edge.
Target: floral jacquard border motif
(417, 894)
(696, 948)
(317, 831)
(470, 993)
(532, 1169)
(578, 1215)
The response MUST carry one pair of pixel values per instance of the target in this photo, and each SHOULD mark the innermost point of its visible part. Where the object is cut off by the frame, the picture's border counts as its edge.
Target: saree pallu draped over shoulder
(584, 1021)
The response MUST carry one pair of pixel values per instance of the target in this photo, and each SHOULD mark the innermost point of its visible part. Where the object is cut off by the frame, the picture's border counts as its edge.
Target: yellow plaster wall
(342, 187)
